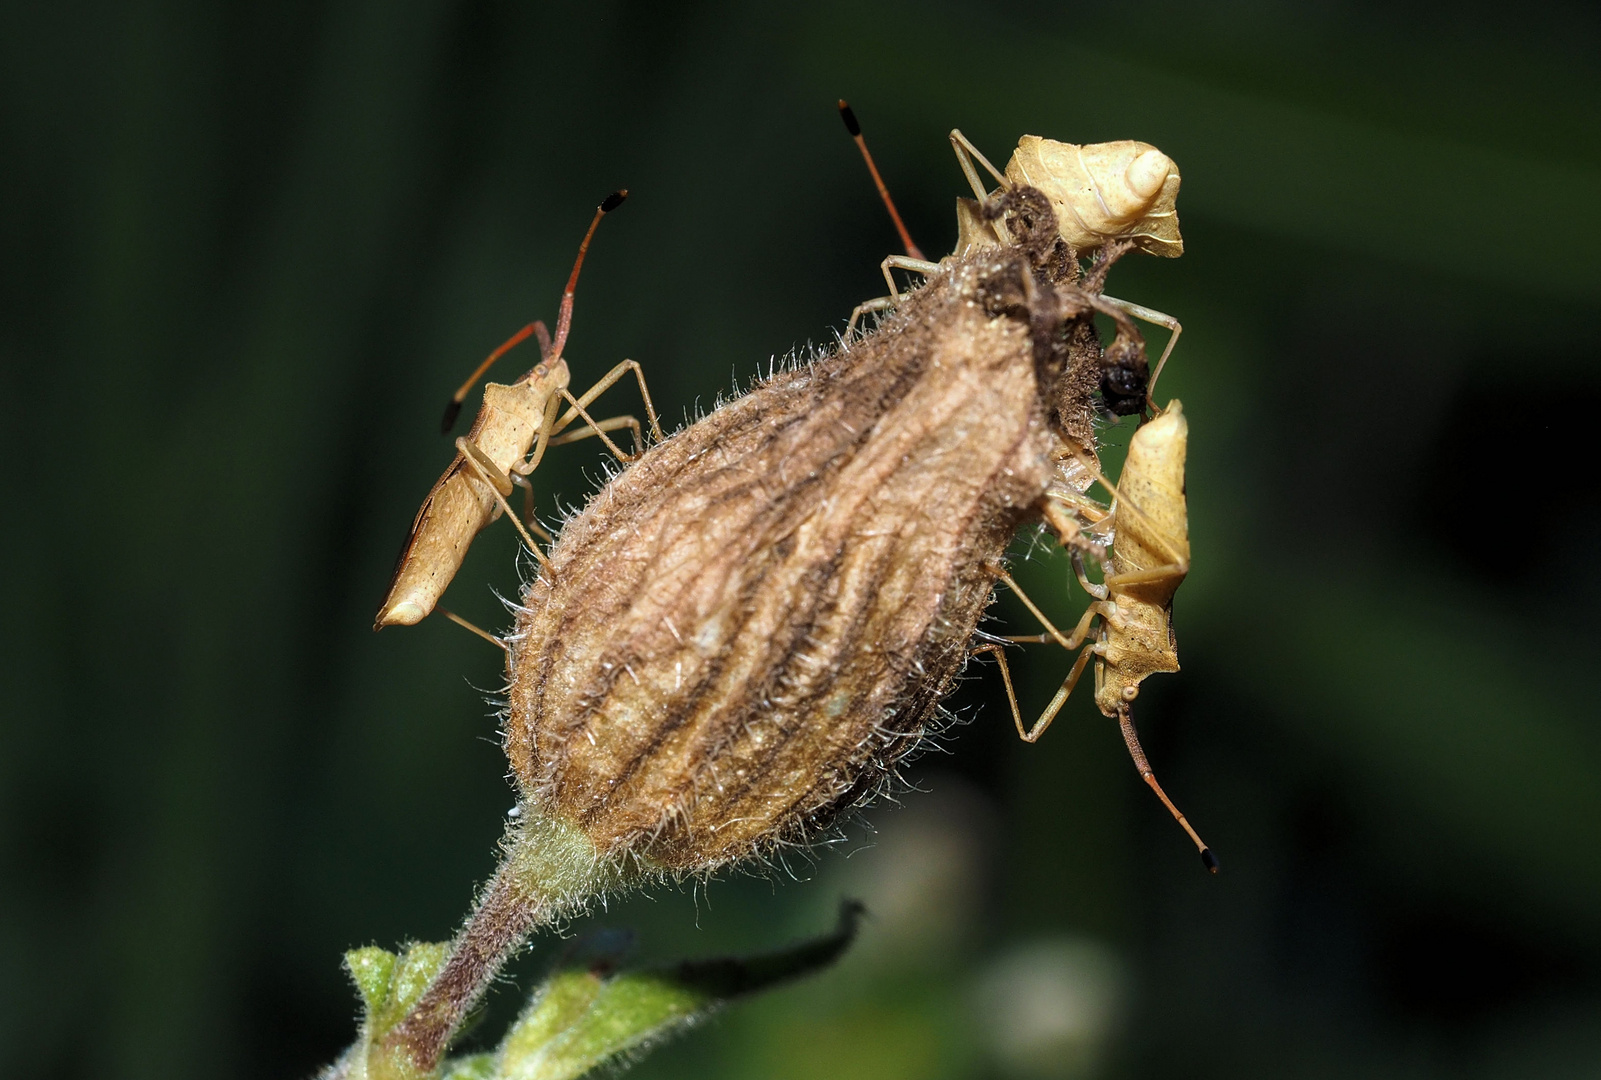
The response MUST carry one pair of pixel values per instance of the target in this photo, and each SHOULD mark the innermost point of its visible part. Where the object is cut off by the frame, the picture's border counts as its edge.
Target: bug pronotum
(507, 441)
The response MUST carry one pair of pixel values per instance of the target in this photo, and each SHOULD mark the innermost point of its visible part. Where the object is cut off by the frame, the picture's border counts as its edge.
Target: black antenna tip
(1209, 860)
(613, 201)
(452, 410)
(849, 117)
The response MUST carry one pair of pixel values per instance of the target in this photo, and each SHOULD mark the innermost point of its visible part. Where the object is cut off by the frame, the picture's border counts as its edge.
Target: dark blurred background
(249, 248)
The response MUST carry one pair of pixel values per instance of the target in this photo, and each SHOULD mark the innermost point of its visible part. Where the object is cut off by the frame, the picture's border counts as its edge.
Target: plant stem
(507, 911)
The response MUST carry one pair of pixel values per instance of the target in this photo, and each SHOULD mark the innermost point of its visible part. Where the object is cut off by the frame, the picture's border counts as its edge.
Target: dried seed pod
(745, 630)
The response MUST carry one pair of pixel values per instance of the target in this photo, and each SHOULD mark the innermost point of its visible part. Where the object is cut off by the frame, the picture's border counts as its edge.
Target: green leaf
(389, 985)
(583, 1017)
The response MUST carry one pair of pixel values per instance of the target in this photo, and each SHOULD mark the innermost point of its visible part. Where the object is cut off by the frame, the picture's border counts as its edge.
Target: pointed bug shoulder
(514, 426)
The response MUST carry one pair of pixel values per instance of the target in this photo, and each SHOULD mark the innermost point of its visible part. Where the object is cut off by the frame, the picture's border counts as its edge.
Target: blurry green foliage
(250, 248)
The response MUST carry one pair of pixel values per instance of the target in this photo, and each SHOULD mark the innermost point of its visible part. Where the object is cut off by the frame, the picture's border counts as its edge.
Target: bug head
(1031, 222)
(1125, 374)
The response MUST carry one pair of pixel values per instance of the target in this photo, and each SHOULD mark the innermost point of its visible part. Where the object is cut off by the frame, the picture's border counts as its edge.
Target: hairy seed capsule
(745, 630)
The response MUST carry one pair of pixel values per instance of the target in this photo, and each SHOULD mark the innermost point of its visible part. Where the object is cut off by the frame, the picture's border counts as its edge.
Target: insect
(1100, 193)
(1109, 194)
(515, 425)
(1132, 611)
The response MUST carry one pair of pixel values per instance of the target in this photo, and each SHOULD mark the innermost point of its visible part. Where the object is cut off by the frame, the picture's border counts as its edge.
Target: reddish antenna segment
(549, 352)
(847, 115)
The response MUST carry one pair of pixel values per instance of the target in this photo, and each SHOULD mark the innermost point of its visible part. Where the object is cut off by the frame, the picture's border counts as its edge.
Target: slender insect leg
(1072, 641)
(612, 423)
(1079, 631)
(604, 384)
(965, 152)
(1070, 533)
(1063, 692)
(1100, 592)
(528, 507)
(901, 262)
(1006, 677)
(465, 625)
(1081, 504)
(499, 486)
(1032, 734)
(618, 452)
(882, 303)
(1125, 720)
(1155, 318)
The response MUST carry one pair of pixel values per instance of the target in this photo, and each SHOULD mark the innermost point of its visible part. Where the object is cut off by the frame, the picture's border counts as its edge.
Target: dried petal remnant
(744, 630)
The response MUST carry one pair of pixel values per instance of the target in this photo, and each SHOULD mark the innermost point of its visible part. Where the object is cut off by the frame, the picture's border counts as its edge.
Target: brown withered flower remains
(744, 631)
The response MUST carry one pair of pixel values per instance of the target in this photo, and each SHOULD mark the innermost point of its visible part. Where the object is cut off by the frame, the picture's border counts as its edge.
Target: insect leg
(1125, 721)
(465, 625)
(1072, 641)
(617, 451)
(901, 262)
(965, 152)
(882, 303)
(1006, 677)
(611, 423)
(1032, 734)
(604, 384)
(499, 486)
(1155, 318)
(1062, 694)
(1100, 592)
(528, 506)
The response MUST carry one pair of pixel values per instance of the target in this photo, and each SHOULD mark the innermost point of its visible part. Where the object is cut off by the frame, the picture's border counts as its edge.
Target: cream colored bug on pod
(1149, 560)
(1101, 193)
(514, 420)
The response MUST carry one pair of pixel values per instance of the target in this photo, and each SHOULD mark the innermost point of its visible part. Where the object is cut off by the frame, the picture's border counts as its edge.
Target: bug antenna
(849, 116)
(564, 319)
(453, 406)
(1125, 720)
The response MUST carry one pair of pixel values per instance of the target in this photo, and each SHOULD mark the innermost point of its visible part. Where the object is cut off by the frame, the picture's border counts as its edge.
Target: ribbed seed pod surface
(743, 631)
